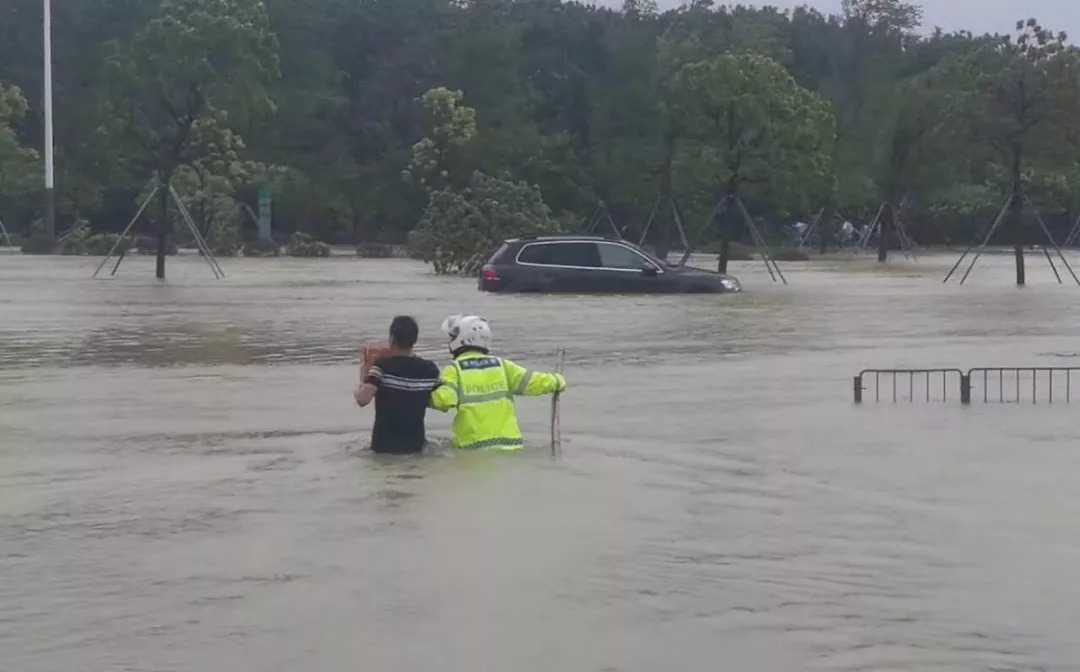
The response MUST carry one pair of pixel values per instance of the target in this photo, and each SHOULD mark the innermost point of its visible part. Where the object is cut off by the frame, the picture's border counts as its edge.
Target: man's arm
(365, 392)
(532, 383)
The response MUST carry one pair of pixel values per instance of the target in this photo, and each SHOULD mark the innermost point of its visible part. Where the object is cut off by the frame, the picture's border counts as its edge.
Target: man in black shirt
(401, 385)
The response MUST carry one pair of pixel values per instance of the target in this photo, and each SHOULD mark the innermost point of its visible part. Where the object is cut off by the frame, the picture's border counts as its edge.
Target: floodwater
(184, 484)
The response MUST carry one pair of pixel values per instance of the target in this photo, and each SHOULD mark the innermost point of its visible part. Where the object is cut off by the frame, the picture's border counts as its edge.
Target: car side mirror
(649, 271)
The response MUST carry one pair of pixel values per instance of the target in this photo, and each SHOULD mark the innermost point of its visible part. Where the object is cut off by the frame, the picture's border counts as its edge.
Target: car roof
(566, 238)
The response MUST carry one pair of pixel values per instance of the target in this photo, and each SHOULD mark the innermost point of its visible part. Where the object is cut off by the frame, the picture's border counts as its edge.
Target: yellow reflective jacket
(482, 389)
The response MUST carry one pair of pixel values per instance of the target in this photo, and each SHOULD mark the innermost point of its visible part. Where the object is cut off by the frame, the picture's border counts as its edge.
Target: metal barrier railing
(1013, 384)
(1000, 384)
(925, 381)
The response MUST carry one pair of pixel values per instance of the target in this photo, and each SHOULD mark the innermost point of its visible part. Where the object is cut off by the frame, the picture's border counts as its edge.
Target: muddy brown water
(184, 485)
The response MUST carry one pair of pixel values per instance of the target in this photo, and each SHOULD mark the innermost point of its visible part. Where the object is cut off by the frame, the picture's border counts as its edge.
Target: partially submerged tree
(760, 134)
(459, 230)
(188, 77)
(916, 140)
(463, 223)
(1018, 96)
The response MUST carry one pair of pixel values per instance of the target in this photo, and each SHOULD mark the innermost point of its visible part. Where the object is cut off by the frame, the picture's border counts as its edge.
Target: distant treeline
(322, 101)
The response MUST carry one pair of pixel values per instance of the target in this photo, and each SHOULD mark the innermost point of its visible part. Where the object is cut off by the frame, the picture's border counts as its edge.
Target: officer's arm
(532, 383)
(445, 396)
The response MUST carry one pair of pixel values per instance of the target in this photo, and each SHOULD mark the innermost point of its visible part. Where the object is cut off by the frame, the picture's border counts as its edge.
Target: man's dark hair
(404, 331)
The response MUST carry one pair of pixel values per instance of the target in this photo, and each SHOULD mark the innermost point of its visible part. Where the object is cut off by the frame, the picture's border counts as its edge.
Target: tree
(1017, 96)
(359, 127)
(18, 164)
(761, 135)
(919, 141)
(859, 60)
(190, 75)
(437, 159)
(459, 231)
(639, 8)
(209, 188)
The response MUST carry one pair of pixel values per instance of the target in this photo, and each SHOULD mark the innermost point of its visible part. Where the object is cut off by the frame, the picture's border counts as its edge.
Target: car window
(534, 254)
(561, 254)
(620, 256)
(575, 254)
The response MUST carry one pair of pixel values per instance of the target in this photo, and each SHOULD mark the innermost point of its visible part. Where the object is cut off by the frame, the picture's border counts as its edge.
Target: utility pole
(50, 200)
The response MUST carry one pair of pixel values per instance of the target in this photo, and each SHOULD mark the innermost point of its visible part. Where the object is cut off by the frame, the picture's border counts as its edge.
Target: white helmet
(467, 331)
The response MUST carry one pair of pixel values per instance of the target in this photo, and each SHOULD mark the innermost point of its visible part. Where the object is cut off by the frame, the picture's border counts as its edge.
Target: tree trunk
(725, 251)
(723, 220)
(1016, 214)
(1068, 225)
(162, 232)
(667, 198)
(888, 224)
(823, 228)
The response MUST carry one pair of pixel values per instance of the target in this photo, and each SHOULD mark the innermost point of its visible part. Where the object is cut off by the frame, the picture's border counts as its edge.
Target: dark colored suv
(587, 264)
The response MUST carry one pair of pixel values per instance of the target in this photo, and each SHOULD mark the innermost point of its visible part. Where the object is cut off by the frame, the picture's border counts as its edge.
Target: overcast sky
(978, 16)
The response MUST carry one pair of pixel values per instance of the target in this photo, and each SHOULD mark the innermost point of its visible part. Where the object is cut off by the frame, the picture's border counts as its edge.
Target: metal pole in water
(50, 201)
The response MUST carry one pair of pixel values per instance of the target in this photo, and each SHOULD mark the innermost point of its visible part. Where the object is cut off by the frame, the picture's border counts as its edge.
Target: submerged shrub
(303, 245)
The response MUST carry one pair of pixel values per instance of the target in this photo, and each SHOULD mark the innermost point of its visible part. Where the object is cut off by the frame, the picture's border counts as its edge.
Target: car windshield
(648, 255)
(653, 258)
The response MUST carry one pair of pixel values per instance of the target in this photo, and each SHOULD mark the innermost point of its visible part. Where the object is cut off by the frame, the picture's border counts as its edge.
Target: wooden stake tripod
(4, 232)
(907, 246)
(602, 214)
(993, 227)
(676, 216)
(755, 235)
(200, 242)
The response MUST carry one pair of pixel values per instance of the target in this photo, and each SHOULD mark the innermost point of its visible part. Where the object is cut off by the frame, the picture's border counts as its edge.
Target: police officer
(482, 388)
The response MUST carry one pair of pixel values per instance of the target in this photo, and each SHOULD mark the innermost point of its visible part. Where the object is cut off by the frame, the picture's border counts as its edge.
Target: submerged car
(589, 264)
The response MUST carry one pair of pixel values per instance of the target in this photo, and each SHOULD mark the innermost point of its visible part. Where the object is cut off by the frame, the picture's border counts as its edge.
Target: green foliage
(760, 134)
(224, 239)
(415, 245)
(1009, 105)
(883, 16)
(303, 245)
(1016, 97)
(589, 104)
(18, 164)
(80, 240)
(966, 200)
(185, 79)
(75, 242)
(459, 231)
(450, 126)
(1024, 90)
